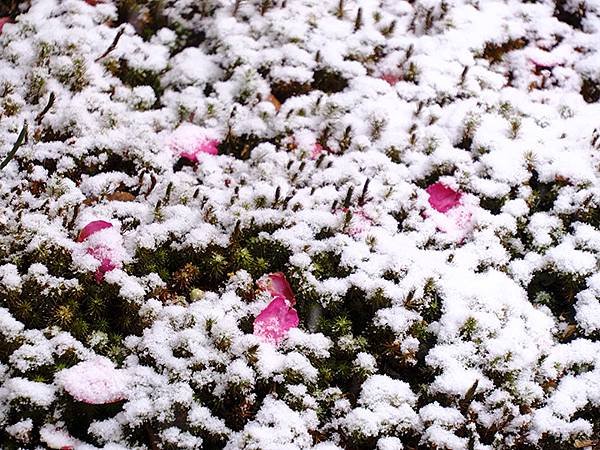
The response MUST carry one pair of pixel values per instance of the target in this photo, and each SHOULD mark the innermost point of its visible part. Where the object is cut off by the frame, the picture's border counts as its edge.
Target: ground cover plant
(299, 224)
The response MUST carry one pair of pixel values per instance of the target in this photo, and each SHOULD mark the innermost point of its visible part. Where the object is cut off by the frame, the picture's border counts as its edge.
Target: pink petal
(209, 147)
(390, 79)
(443, 198)
(92, 228)
(104, 255)
(278, 286)
(275, 320)
(3, 21)
(106, 265)
(189, 140)
(316, 151)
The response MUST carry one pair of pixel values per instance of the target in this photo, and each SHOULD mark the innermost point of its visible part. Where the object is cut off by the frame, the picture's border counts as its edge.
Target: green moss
(134, 77)
(74, 77)
(544, 193)
(468, 329)
(412, 73)
(557, 290)
(36, 86)
(240, 146)
(328, 264)
(329, 81)
(493, 204)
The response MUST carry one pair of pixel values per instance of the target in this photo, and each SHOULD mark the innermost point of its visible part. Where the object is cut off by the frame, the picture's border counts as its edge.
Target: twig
(363, 195)
(340, 10)
(358, 22)
(20, 141)
(348, 198)
(112, 46)
(468, 398)
(42, 113)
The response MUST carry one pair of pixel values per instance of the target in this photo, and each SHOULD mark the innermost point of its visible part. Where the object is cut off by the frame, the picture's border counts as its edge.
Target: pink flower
(3, 21)
(96, 381)
(390, 78)
(189, 140)
(278, 286)
(453, 218)
(316, 151)
(443, 198)
(92, 228)
(279, 316)
(275, 320)
(101, 253)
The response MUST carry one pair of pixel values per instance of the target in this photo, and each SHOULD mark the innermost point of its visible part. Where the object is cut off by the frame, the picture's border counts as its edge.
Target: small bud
(196, 294)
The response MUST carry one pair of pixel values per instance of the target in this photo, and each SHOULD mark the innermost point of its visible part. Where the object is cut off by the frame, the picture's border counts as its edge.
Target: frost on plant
(301, 224)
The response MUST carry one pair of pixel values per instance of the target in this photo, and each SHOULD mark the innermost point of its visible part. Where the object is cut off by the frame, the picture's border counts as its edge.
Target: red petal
(92, 228)
(275, 320)
(278, 285)
(442, 198)
(3, 21)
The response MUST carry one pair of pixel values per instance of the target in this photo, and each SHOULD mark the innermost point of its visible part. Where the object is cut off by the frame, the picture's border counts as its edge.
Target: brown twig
(20, 141)
(42, 113)
(112, 46)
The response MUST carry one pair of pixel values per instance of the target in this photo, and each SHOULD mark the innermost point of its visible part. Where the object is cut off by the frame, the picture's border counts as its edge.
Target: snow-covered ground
(425, 174)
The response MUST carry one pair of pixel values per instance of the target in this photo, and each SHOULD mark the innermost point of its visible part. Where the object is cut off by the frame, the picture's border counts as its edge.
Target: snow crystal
(94, 381)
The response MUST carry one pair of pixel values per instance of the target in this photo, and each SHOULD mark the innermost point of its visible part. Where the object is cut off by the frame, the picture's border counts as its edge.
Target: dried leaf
(120, 196)
(276, 103)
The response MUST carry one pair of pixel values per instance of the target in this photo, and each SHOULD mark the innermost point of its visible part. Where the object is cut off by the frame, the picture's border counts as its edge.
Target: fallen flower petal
(91, 228)
(443, 198)
(104, 255)
(57, 438)
(316, 151)
(391, 79)
(189, 140)
(3, 21)
(278, 286)
(275, 320)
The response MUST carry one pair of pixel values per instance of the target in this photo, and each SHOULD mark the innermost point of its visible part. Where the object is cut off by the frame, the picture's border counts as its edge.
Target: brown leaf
(120, 196)
(90, 201)
(276, 103)
(569, 331)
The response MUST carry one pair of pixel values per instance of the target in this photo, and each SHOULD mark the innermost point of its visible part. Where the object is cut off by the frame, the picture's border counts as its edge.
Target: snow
(95, 381)
(424, 174)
